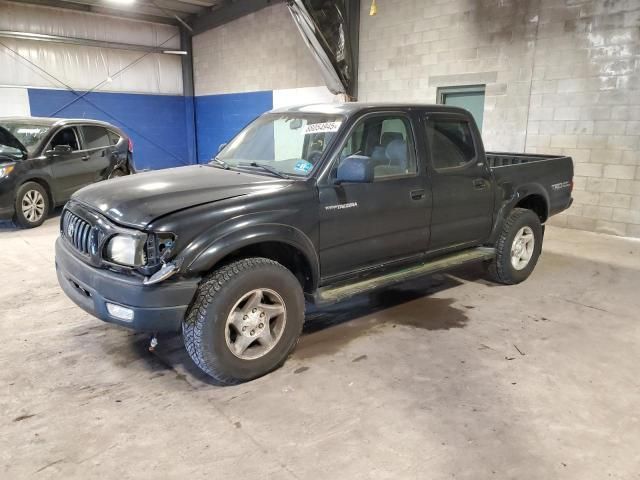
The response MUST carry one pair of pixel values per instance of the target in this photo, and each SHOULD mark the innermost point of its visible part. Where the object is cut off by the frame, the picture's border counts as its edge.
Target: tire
(215, 345)
(117, 173)
(31, 205)
(505, 268)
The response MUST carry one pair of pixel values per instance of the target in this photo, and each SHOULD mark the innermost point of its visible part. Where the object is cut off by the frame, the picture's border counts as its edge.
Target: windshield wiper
(219, 162)
(266, 168)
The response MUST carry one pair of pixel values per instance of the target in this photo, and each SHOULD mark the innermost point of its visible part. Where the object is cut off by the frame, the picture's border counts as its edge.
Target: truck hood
(136, 200)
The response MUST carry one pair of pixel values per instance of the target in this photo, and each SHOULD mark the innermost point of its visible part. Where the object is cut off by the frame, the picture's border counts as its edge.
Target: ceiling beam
(228, 11)
(83, 41)
(101, 9)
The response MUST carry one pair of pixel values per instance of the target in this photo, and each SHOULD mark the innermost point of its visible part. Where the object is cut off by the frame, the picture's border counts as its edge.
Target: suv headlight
(126, 250)
(6, 170)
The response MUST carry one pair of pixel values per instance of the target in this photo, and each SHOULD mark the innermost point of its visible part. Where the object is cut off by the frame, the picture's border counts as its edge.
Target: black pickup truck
(307, 204)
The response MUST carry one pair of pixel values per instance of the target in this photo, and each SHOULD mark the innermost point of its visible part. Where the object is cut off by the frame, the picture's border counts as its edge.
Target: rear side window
(450, 142)
(114, 138)
(95, 137)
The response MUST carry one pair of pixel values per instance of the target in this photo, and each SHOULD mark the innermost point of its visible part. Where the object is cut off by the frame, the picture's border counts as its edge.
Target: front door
(366, 224)
(67, 168)
(463, 196)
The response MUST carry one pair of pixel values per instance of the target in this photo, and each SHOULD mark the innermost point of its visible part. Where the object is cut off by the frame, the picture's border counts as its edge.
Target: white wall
(14, 102)
(82, 67)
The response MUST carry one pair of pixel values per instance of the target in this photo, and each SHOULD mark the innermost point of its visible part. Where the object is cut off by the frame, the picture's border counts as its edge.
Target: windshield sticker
(322, 127)
(303, 166)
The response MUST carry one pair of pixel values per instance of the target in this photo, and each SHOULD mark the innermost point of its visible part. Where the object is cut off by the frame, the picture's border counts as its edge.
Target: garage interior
(451, 376)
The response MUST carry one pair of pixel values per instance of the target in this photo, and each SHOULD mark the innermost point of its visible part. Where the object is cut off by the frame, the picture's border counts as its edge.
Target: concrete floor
(451, 377)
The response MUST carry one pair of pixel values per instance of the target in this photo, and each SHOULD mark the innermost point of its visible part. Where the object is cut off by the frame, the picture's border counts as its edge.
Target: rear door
(462, 187)
(364, 225)
(98, 147)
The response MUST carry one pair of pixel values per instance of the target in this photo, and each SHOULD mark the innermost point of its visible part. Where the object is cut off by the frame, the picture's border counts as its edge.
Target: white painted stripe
(14, 102)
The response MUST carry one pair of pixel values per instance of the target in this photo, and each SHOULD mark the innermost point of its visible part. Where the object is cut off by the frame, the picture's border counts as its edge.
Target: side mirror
(221, 147)
(60, 150)
(355, 169)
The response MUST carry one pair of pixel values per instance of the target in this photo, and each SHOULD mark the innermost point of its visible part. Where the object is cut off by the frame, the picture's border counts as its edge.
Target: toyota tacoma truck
(307, 204)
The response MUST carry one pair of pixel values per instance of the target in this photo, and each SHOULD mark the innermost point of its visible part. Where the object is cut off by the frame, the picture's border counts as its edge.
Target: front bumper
(156, 308)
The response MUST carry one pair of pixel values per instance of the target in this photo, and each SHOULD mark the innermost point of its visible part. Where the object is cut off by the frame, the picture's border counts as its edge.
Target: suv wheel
(517, 248)
(32, 205)
(245, 320)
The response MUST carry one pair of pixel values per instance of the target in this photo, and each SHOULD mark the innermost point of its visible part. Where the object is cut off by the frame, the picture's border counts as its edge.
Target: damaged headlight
(126, 250)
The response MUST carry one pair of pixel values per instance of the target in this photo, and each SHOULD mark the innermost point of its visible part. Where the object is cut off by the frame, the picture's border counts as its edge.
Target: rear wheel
(245, 320)
(31, 205)
(118, 172)
(517, 248)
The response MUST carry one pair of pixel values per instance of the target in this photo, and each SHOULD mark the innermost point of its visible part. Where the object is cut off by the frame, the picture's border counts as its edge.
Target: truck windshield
(29, 134)
(290, 143)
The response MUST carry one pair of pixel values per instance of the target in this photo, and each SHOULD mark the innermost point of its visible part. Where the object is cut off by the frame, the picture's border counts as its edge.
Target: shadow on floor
(327, 330)
(8, 226)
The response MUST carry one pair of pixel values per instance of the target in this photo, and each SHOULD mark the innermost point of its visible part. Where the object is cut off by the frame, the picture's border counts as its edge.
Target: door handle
(417, 194)
(479, 184)
(84, 158)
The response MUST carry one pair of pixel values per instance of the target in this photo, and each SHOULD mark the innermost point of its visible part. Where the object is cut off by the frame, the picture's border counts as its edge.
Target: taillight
(571, 185)
(130, 146)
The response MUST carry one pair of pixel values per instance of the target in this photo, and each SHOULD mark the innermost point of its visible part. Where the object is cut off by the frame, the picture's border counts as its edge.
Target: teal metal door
(469, 98)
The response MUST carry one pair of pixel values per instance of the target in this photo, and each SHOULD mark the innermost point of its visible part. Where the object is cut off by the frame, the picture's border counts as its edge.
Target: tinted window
(66, 136)
(95, 137)
(114, 138)
(451, 143)
(386, 140)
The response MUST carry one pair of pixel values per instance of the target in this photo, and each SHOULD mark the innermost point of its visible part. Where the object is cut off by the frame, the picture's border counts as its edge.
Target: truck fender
(224, 245)
(510, 199)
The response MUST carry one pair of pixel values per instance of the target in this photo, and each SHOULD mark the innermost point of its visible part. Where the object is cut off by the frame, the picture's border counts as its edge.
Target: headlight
(6, 170)
(126, 250)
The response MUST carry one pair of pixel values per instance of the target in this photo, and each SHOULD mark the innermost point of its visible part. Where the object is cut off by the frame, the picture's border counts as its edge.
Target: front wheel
(32, 205)
(245, 320)
(517, 248)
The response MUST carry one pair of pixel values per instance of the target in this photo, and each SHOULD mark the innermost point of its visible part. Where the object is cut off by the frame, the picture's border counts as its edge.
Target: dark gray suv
(45, 160)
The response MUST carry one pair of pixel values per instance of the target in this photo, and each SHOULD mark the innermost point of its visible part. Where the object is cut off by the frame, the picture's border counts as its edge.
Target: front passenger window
(67, 137)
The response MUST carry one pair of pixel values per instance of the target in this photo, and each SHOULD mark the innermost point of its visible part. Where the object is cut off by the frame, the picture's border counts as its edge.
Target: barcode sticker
(322, 127)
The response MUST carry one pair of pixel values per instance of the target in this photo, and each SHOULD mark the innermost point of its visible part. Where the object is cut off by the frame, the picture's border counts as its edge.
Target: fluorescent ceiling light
(122, 2)
(175, 52)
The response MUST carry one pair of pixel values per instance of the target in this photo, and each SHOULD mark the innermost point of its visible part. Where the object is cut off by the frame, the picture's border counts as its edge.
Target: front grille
(77, 231)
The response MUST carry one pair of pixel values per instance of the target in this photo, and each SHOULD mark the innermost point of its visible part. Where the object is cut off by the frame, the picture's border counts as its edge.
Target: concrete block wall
(258, 52)
(412, 47)
(585, 102)
(561, 76)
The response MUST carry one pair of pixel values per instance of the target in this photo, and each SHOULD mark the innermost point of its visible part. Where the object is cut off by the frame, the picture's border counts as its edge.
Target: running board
(332, 294)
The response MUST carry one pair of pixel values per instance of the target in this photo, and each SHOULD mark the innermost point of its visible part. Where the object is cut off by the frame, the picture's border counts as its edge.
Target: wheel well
(283, 253)
(535, 203)
(46, 187)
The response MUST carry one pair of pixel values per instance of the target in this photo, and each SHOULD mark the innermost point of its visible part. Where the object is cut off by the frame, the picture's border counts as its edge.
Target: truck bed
(549, 175)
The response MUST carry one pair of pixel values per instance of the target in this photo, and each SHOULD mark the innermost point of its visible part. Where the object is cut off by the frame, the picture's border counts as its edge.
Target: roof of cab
(349, 108)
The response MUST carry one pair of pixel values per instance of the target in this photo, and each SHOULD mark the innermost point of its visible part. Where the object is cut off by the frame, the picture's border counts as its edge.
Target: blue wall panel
(220, 117)
(159, 125)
